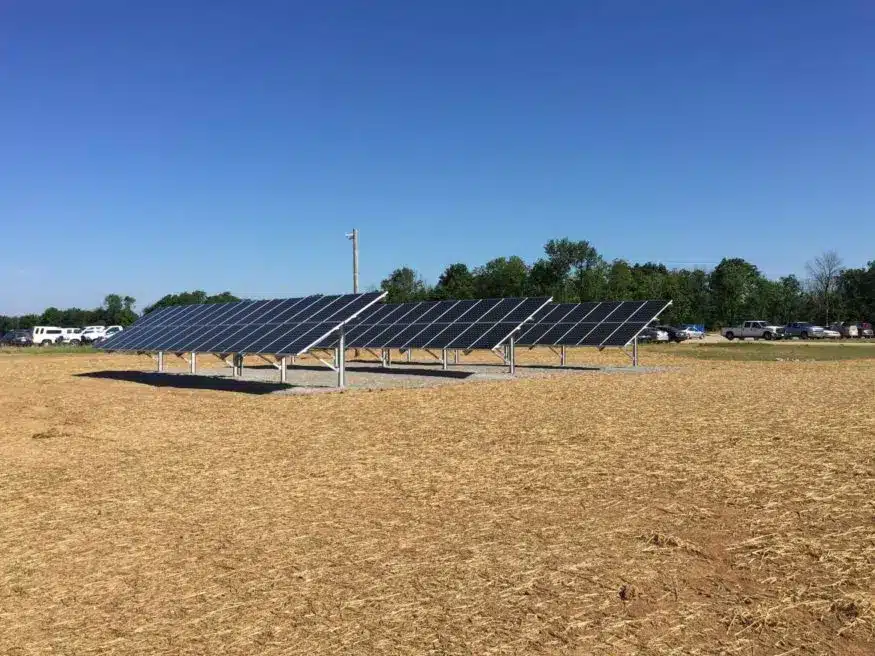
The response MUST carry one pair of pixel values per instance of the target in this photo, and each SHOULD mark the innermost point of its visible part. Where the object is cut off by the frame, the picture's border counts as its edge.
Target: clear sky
(155, 147)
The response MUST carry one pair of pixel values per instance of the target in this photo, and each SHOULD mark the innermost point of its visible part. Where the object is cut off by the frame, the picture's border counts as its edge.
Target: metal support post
(444, 356)
(511, 355)
(160, 362)
(455, 356)
(192, 363)
(410, 355)
(283, 362)
(563, 355)
(635, 352)
(388, 357)
(340, 360)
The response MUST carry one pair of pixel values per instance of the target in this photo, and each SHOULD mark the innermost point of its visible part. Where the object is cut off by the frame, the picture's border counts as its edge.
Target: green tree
(620, 280)
(502, 277)
(691, 296)
(119, 310)
(190, 298)
(545, 281)
(856, 292)
(578, 269)
(456, 281)
(404, 285)
(789, 300)
(52, 316)
(734, 284)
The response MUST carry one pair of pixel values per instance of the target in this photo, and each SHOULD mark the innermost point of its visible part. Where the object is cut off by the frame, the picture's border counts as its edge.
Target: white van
(45, 335)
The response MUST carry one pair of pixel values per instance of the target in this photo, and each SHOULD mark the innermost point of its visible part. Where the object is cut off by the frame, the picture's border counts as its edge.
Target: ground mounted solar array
(600, 324)
(465, 325)
(282, 326)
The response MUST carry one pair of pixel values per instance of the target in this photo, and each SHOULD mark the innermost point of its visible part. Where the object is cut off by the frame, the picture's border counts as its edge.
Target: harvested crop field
(715, 507)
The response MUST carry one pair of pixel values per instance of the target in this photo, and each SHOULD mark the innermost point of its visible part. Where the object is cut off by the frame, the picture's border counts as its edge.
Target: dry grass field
(718, 507)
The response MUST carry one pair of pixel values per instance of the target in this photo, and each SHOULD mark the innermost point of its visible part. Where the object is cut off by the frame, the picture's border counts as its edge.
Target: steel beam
(511, 355)
(340, 360)
(192, 363)
(635, 352)
(563, 355)
(160, 362)
(283, 362)
(444, 357)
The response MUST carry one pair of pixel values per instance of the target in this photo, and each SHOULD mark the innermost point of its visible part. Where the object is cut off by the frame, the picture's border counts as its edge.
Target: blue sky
(154, 147)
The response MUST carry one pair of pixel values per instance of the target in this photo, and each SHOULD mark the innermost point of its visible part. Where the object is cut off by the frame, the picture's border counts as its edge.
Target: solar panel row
(281, 326)
(293, 326)
(469, 324)
(608, 323)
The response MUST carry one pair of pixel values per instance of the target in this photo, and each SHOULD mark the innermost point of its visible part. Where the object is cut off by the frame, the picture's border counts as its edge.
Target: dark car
(676, 335)
(16, 338)
(864, 330)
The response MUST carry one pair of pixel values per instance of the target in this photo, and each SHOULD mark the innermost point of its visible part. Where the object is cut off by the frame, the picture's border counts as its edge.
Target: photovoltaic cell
(601, 324)
(467, 324)
(277, 327)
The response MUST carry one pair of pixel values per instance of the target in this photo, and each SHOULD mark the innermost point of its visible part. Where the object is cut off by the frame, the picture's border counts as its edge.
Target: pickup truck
(803, 330)
(755, 330)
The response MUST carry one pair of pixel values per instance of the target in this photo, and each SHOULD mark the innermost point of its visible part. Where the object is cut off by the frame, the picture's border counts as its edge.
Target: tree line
(574, 271)
(115, 310)
(735, 290)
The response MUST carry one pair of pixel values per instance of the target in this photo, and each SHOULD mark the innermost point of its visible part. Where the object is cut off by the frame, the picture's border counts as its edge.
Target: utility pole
(354, 235)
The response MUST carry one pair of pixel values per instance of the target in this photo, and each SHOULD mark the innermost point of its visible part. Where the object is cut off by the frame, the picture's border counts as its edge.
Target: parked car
(755, 329)
(16, 338)
(676, 335)
(90, 333)
(109, 332)
(803, 330)
(845, 329)
(829, 333)
(652, 334)
(46, 335)
(97, 334)
(694, 331)
(864, 329)
(70, 336)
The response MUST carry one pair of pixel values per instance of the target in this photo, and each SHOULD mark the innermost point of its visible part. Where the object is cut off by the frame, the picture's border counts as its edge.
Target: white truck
(754, 330)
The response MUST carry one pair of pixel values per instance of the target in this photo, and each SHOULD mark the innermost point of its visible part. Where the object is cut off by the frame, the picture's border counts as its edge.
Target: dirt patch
(715, 507)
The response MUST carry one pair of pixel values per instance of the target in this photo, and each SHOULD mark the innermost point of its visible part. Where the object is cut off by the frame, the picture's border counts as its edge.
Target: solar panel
(468, 324)
(289, 326)
(601, 324)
